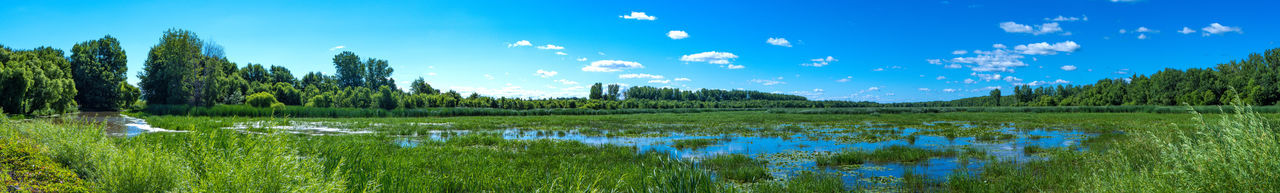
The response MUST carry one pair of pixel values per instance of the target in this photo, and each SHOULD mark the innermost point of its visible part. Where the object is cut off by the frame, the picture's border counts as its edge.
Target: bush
(262, 99)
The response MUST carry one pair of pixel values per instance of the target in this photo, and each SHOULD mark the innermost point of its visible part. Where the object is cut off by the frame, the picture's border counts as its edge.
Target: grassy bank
(301, 111)
(1050, 109)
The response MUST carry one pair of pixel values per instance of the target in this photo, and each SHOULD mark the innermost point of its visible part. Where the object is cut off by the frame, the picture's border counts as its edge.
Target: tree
(995, 96)
(613, 92)
(36, 82)
(98, 68)
(378, 73)
(351, 71)
(420, 86)
(596, 92)
(168, 73)
(281, 74)
(255, 73)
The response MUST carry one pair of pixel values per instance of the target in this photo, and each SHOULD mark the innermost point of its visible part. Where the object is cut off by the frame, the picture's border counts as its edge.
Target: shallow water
(788, 155)
(115, 124)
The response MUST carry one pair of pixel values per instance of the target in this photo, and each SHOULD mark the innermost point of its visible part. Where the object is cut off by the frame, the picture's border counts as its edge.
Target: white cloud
(873, 89)
(997, 60)
(1142, 36)
(1046, 28)
(846, 79)
(960, 52)
(561, 53)
(767, 82)
(878, 69)
(923, 89)
(1068, 19)
(566, 82)
(1186, 30)
(660, 81)
(948, 90)
(611, 66)
(676, 34)
(820, 62)
(778, 42)
(551, 47)
(996, 46)
(1069, 68)
(520, 43)
(644, 76)
(731, 66)
(934, 61)
(582, 59)
(487, 76)
(953, 66)
(545, 73)
(970, 81)
(682, 79)
(1012, 79)
(1145, 29)
(986, 77)
(1044, 48)
(712, 57)
(818, 90)
(941, 78)
(337, 47)
(431, 74)
(638, 16)
(1216, 28)
(1040, 83)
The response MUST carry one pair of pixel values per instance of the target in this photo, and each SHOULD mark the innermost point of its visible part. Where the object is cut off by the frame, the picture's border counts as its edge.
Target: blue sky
(884, 51)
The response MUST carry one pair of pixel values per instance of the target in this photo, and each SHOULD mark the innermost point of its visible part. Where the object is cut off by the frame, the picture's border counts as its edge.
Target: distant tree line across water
(183, 69)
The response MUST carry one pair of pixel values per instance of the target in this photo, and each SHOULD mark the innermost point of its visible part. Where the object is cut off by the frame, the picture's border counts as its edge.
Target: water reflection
(114, 123)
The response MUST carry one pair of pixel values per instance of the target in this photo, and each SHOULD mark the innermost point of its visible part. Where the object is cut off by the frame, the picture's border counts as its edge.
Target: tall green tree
(995, 96)
(351, 71)
(613, 92)
(596, 92)
(378, 73)
(98, 67)
(282, 74)
(36, 82)
(169, 71)
(420, 86)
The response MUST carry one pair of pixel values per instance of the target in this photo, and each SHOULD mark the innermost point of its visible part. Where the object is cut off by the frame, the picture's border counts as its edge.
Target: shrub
(262, 99)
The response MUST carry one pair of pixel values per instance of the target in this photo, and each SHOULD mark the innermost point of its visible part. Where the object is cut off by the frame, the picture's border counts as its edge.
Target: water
(790, 154)
(116, 124)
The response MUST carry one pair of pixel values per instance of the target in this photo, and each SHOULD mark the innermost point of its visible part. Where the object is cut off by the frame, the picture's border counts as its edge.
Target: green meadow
(1121, 152)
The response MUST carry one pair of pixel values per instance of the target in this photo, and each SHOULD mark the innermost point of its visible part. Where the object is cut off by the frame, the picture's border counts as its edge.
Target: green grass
(302, 111)
(737, 167)
(891, 154)
(806, 181)
(697, 143)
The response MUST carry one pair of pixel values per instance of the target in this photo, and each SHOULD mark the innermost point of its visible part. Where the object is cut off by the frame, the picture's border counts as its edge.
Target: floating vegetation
(737, 167)
(891, 154)
(696, 143)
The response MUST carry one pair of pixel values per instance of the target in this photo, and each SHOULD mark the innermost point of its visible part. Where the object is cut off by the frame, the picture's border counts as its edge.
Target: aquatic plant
(737, 167)
(891, 154)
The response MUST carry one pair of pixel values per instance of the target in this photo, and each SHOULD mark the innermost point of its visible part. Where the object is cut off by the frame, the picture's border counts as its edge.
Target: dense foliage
(261, 99)
(98, 68)
(36, 81)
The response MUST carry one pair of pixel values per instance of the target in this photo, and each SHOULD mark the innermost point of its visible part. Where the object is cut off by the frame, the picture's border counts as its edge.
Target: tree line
(44, 81)
(1253, 80)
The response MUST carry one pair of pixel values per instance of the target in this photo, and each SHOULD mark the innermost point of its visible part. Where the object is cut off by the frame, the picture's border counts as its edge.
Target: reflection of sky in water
(116, 124)
(937, 168)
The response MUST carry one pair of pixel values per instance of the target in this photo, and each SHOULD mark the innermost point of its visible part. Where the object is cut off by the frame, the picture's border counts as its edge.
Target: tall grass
(301, 111)
(1050, 109)
(206, 161)
(737, 167)
(894, 154)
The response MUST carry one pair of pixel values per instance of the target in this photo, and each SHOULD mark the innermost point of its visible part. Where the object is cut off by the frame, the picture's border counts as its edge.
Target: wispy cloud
(566, 82)
(1068, 68)
(638, 16)
(337, 47)
(643, 76)
(545, 73)
(767, 82)
(1217, 28)
(1068, 19)
(551, 47)
(712, 57)
(520, 43)
(677, 34)
(820, 62)
(1046, 28)
(611, 66)
(1044, 48)
(778, 42)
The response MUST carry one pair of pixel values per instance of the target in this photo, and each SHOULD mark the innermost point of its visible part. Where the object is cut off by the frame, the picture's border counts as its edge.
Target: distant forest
(1253, 80)
(184, 70)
